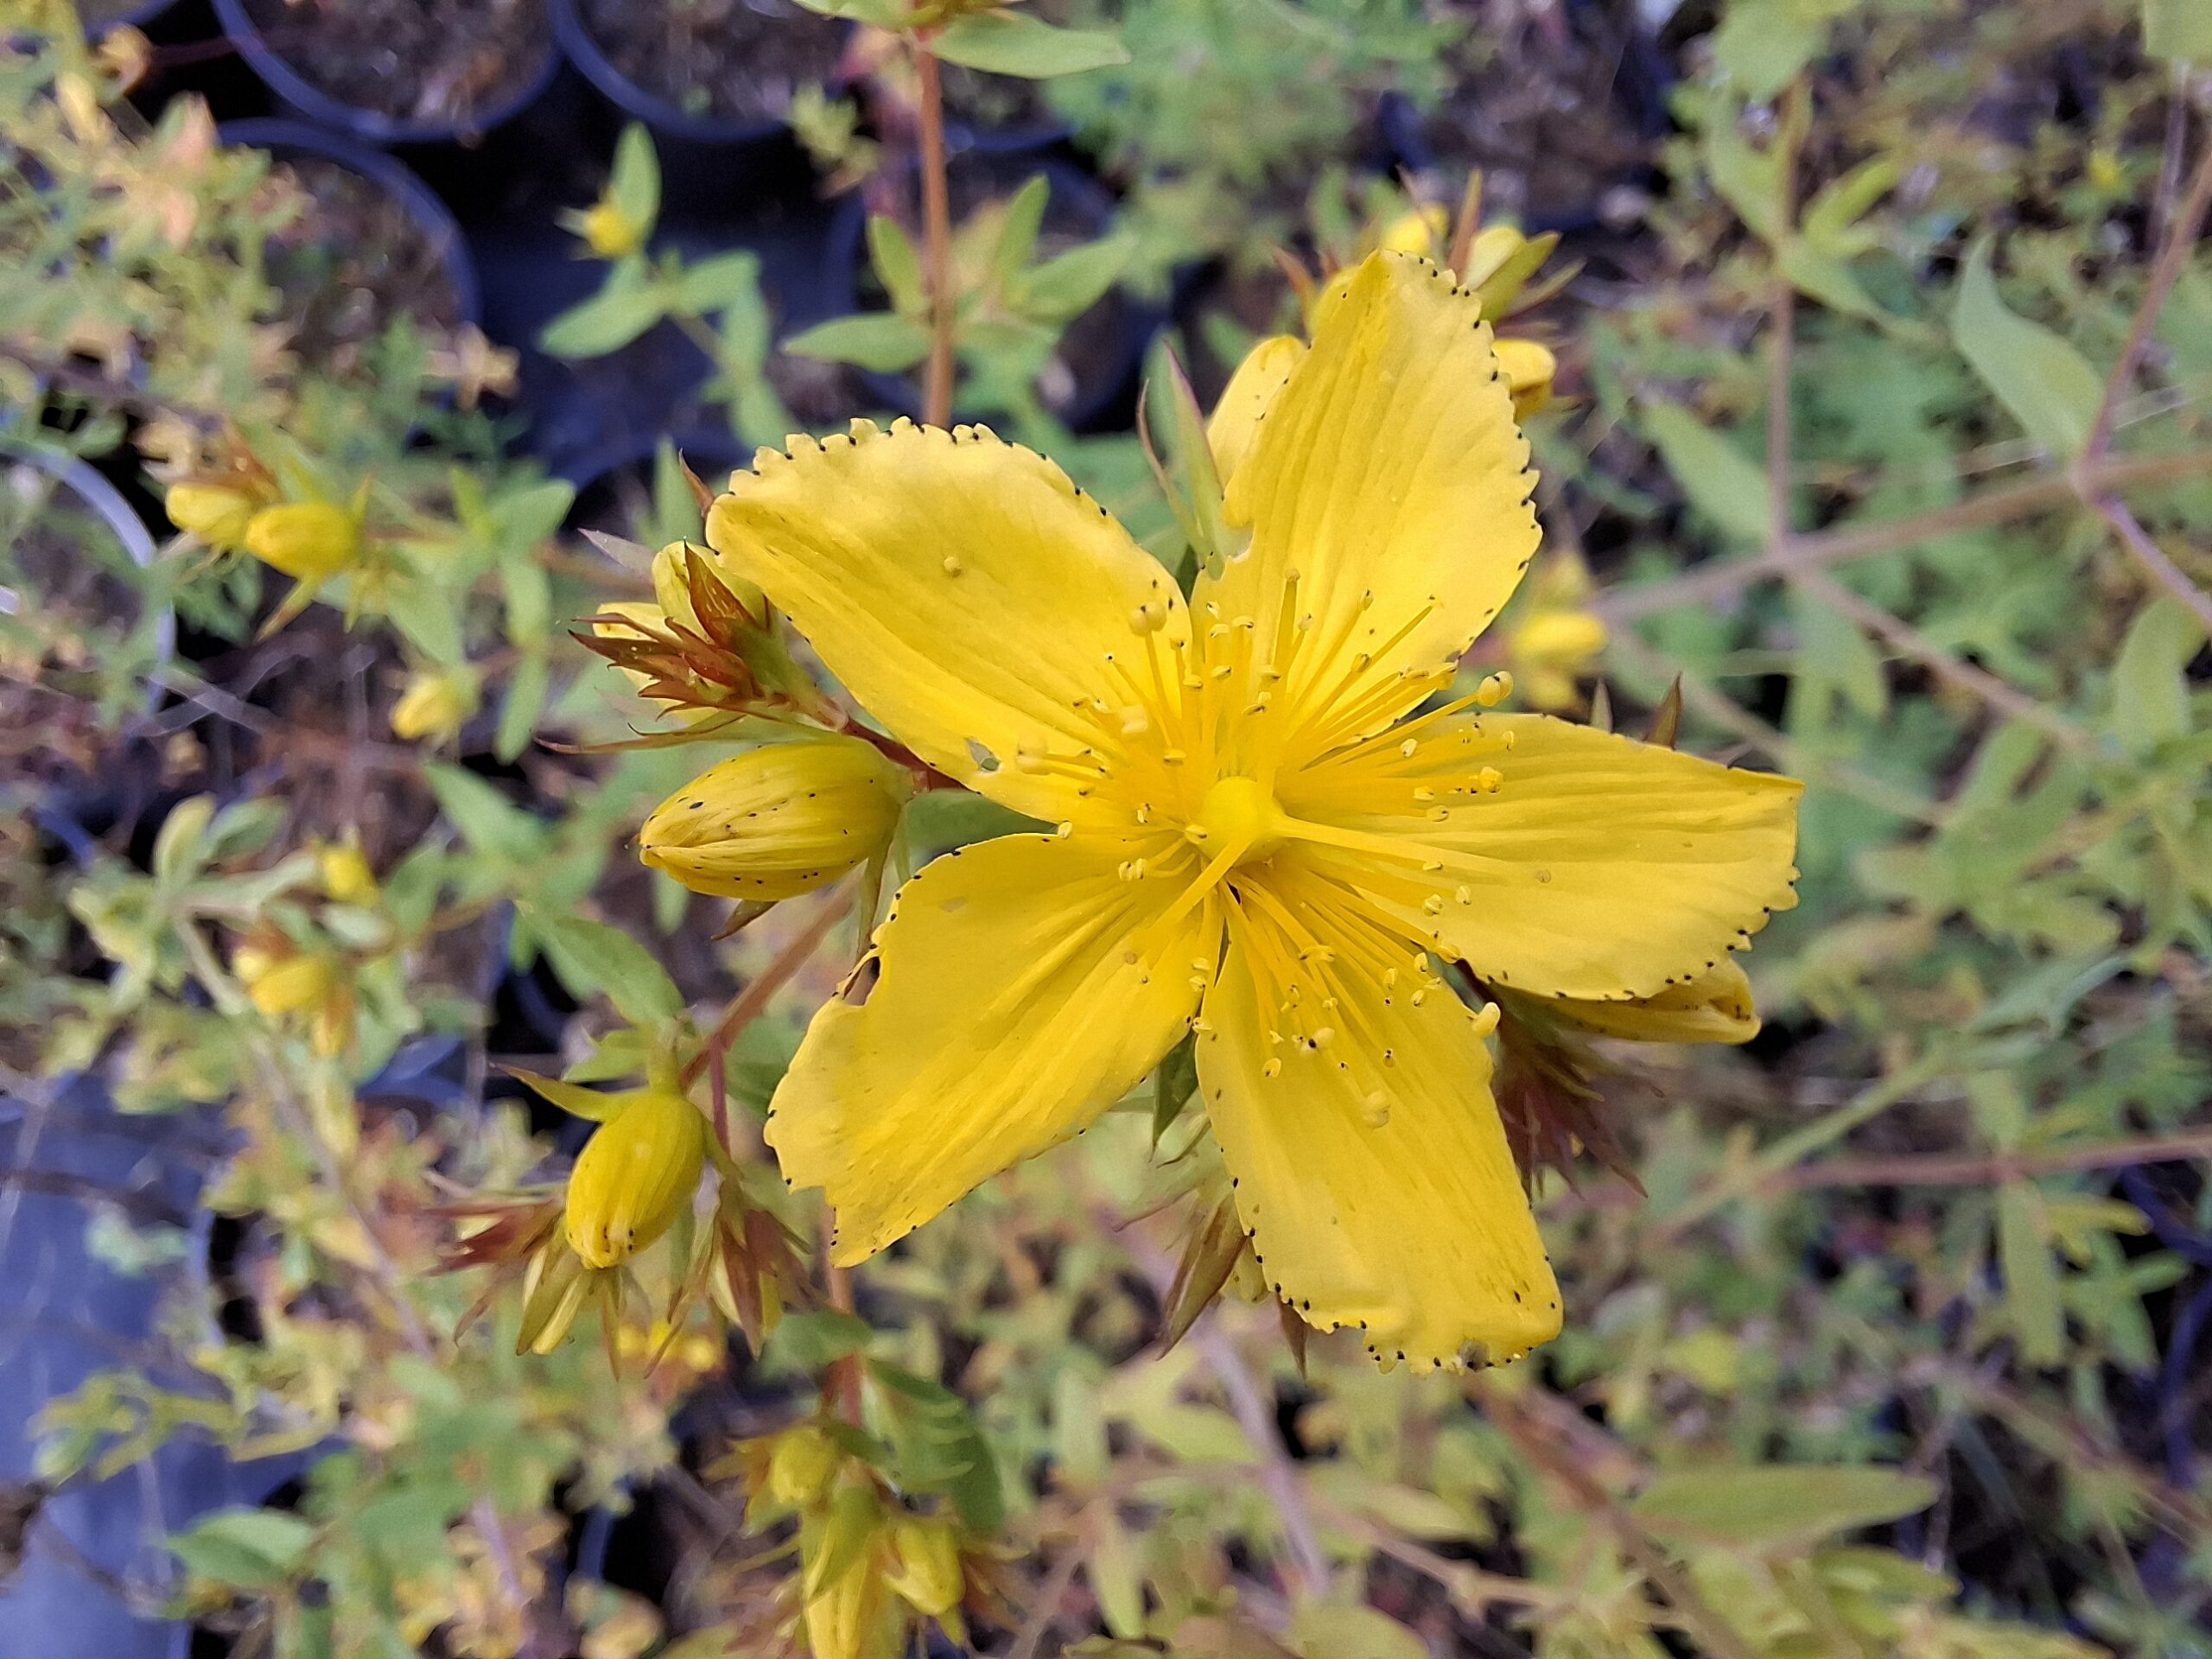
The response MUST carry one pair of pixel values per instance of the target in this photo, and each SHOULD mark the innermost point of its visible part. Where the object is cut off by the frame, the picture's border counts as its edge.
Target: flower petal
(1415, 1228)
(1600, 867)
(1244, 401)
(1389, 479)
(1023, 989)
(964, 591)
(1716, 1006)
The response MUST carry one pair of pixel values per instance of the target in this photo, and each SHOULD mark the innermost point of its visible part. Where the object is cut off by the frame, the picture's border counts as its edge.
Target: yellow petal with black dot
(1553, 858)
(969, 596)
(1716, 1006)
(1025, 987)
(778, 821)
(1387, 492)
(1244, 401)
(1373, 1173)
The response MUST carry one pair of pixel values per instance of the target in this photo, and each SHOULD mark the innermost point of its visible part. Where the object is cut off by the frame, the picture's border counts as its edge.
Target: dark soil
(439, 62)
(355, 260)
(724, 59)
(1555, 119)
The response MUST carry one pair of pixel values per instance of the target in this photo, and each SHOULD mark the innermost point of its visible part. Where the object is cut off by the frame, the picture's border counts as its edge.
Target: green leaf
(898, 267)
(633, 188)
(727, 279)
(592, 957)
(1024, 218)
(630, 304)
(807, 1341)
(1332, 1630)
(1116, 1583)
(1777, 1506)
(2149, 678)
(2048, 386)
(880, 341)
(2180, 31)
(486, 819)
(937, 1446)
(1720, 480)
(255, 1549)
(883, 14)
(2031, 1275)
(1064, 288)
(1764, 43)
(179, 845)
(526, 701)
(1015, 43)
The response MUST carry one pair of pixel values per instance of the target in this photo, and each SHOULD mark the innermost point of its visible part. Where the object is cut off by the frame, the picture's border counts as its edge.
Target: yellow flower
(924, 1564)
(609, 232)
(1529, 369)
(802, 1461)
(218, 514)
(777, 820)
(308, 541)
(640, 1168)
(346, 877)
(282, 981)
(435, 705)
(1256, 839)
(1715, 1006)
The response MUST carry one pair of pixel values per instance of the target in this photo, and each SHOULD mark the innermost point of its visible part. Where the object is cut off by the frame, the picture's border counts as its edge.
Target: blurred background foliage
(1878, 431)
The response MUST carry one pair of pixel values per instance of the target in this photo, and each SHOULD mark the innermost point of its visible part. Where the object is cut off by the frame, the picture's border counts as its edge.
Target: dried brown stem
(1981, 1169)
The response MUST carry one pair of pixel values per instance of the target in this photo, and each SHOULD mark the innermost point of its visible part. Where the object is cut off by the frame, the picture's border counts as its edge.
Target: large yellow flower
(1253, 841)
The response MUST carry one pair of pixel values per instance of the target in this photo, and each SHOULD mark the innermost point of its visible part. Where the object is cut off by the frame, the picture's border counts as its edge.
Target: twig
(936, 227)
(1045, 1607)
(1910, 642)
(754, 999)
(2155, 560)
(1995, 506)
(1977, 1169)
(2181, 237)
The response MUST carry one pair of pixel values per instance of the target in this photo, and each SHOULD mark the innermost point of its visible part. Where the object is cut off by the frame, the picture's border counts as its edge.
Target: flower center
(1238, 814)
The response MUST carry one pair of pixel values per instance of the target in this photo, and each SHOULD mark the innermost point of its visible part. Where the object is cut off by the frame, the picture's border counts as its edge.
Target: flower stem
(936, 226)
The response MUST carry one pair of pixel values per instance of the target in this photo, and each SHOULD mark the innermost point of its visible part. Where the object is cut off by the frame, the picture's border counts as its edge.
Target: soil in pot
(734, 60)
(436, 63)
(71, 598)
(356, 259)
(1549, 121)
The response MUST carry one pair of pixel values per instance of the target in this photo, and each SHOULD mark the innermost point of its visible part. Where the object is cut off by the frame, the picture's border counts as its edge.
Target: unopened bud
(778, 821)
(346, 877)
(637, 1170)
(435, 705)
(802, 1462)
(1529, 369)
(609, 232)
(218, 514)
(309, 541)
(924, 1564)
(1555, 638)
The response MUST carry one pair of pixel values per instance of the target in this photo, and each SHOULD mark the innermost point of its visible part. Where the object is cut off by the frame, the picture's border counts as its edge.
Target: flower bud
(609, 232)
(924, 1565)
(309, 541)
(1424, 231)
(777, 820)
(346, 877)
(674, 569)
(217, 513)
(1558, 639)
(1529, 369)
(802, 1462)
(434, 705)
(640, 1168)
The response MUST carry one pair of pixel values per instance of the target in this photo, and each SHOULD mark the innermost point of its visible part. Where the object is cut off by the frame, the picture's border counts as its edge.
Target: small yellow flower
(282, 981)
(778, 821)
(1256, 836)
(925, 1563)
(346, 876)
(308, 541)
(802, 1463)
(435, 705)
(218, 514)
(640, 1168)
(609, 232)
(1529, 369)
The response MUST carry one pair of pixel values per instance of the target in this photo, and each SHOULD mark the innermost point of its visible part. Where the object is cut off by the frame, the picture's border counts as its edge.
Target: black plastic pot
(373, 126)
(107, 503)
(286, 140)
(1079, 202)
(710, 167)
(137, 16)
